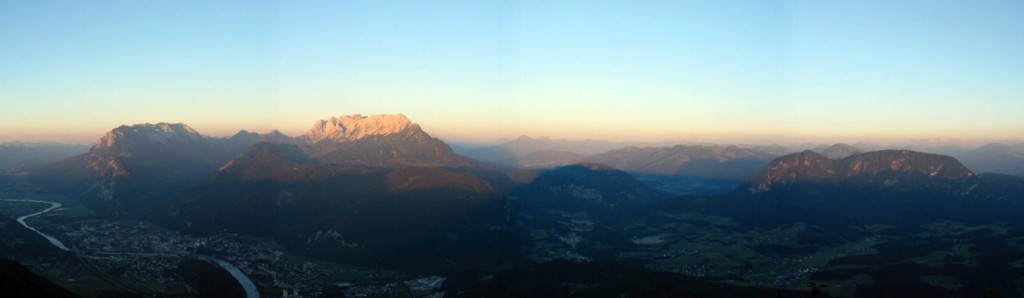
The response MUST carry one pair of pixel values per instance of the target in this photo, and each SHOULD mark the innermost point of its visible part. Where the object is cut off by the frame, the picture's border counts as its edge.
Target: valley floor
(143, 258)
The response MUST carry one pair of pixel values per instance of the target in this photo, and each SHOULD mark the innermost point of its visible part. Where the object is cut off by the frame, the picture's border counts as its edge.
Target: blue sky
(482, 70)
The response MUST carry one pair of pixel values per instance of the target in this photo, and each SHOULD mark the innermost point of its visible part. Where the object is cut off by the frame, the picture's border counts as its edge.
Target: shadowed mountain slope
(394, 198)
(132, 167)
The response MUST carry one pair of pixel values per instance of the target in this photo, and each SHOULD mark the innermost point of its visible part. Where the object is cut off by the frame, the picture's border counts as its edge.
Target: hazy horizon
(725, 72)
(681, 140)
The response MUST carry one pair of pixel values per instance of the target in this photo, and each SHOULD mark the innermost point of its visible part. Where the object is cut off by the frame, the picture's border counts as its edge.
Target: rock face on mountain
(152, 146)
(888, 168)
(133, 166)
(354, 127)
(386, 141)
(409, 147)
(126, 138)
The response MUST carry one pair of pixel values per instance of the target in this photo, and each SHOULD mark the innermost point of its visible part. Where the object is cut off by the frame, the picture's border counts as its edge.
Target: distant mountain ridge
(20, 156)
(996, 158)
(680, 169)
(879, 168)
(684, 160)
(523, 151)
(243, 139)
(839, 151)
(543, 159)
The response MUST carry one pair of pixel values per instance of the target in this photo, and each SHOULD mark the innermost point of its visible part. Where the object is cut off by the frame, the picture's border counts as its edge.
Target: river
(21, 220)
(243, 280)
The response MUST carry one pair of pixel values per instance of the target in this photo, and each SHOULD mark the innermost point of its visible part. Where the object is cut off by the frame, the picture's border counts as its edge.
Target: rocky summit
(160, 133)
(132, 166)
(354, 127)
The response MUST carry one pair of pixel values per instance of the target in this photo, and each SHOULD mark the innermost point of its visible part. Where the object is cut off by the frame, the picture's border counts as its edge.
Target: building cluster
(146, 253)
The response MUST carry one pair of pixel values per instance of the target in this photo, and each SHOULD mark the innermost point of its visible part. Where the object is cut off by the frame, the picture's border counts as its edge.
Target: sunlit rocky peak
(160, 132)
(353, 127)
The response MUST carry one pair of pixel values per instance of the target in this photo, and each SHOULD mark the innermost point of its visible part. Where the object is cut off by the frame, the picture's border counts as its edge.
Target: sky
(485, 70)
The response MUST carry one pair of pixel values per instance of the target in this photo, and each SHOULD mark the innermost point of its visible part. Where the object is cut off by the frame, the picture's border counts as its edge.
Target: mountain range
(712, 162)
(373, 190)
(381, 192)
(889, 168)
(380, 141)
(693, 169)
(132, 167)
(997, 158)
(515, 152)
(838, 151)
(19, 156)
(898, 187)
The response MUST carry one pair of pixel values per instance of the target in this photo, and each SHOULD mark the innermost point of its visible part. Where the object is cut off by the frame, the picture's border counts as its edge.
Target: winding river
(243, 280)
(21, 220)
